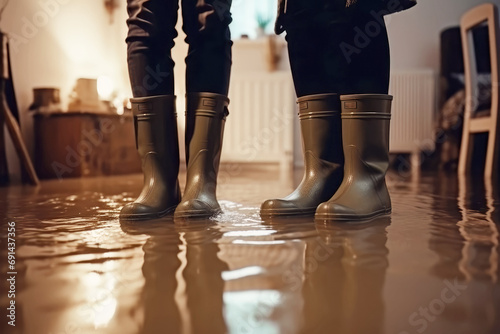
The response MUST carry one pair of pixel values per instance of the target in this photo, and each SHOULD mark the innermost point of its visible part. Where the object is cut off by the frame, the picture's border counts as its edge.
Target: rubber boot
(158, 145)
(320, 125)
(205, 119)
(363, 193)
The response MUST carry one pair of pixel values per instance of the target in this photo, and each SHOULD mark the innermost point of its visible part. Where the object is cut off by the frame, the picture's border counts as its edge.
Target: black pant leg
(149, 42)
(335, 50)
(208, 63)
(366, 53)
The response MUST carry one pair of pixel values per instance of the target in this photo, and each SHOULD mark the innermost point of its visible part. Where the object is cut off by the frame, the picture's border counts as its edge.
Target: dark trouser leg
(149, 41)
(332, 52)
(206, 23)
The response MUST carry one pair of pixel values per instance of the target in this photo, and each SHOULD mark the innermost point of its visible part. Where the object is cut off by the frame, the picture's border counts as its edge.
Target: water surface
(431, 267)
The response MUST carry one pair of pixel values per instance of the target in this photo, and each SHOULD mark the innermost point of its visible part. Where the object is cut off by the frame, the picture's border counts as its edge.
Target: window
(247, 15)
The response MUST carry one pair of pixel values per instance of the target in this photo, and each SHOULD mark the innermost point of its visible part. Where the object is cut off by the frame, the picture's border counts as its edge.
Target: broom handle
(10, 120)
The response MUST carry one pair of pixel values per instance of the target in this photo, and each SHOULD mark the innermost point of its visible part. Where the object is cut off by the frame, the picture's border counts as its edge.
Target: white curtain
(246, 15)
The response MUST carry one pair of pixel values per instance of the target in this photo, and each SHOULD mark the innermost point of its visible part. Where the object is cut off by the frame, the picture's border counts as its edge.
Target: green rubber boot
(363, 193)
(158, 145)
(320, 125)
(205, 119)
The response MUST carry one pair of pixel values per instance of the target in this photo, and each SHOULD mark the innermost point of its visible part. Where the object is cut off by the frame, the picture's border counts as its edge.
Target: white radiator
(262, 112)
(260, 125)
(413, 110)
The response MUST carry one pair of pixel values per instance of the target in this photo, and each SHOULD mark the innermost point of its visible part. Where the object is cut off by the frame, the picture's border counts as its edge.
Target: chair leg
(491, 154)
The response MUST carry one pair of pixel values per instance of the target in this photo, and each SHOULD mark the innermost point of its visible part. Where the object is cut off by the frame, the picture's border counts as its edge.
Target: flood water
(432, 267)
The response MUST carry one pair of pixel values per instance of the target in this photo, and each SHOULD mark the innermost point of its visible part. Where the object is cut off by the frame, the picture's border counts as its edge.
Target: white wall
(414, 34)
(54, 42)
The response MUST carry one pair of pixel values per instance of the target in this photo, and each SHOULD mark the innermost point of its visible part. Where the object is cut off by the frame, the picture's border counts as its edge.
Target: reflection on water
(345, 279)
(432, 267)
(183, 286)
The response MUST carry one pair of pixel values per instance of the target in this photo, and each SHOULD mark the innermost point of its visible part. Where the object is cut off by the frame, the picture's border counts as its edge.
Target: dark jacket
(384, 7)
(390, 6)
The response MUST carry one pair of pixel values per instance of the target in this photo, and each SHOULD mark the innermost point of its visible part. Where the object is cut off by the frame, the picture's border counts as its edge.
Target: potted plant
(262, 23)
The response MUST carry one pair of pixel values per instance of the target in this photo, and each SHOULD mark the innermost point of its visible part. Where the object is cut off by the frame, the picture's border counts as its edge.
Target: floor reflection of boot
(345, 275)
(202, 277)
(183, 286)
(161, 262)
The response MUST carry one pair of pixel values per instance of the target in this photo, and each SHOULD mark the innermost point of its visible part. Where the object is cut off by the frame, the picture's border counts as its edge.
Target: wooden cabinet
(79, 144)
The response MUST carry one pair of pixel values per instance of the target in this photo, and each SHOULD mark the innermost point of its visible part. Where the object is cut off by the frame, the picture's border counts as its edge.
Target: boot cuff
(366, 115)
(153, 99)
(377, 103)
(154, 105)
(366, 97)
(319, 105)
(207, 104)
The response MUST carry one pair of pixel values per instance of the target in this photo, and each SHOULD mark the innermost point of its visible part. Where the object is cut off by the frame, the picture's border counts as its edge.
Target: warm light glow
(118, 104)
(249, 233)
(251, 311)
(101, 301)
(105, 87)
(242, 272)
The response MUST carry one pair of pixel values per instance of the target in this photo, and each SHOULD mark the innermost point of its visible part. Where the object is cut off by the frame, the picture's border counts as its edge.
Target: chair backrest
(486, 13)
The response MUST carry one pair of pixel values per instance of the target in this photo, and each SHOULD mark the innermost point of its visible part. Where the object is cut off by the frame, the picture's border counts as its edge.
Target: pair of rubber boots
(346, 153)
(155, 121)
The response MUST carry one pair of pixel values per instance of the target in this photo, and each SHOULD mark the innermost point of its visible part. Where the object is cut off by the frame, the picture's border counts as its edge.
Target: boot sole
(147, 216)
(285, 213)
(344, 218)
(201, 214)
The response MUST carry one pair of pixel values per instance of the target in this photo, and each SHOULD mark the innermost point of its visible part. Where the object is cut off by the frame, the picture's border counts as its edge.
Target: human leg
(149, 41)
(208, 66)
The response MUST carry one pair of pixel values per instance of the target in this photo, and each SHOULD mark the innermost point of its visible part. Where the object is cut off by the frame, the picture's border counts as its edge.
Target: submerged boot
(320, 125)
(158, 145)
(363, 193)
(205, 118)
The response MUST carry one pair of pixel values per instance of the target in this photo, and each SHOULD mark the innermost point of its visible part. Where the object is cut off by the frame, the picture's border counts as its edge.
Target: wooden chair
(473, 121)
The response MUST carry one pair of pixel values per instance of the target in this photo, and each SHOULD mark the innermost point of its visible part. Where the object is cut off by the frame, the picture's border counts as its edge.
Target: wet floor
(432, 267)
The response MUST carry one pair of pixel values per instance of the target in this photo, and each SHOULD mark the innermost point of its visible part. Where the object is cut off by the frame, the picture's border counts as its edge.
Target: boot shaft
(320, 125)
(155, 123)
(205, 119)
(365, 126)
